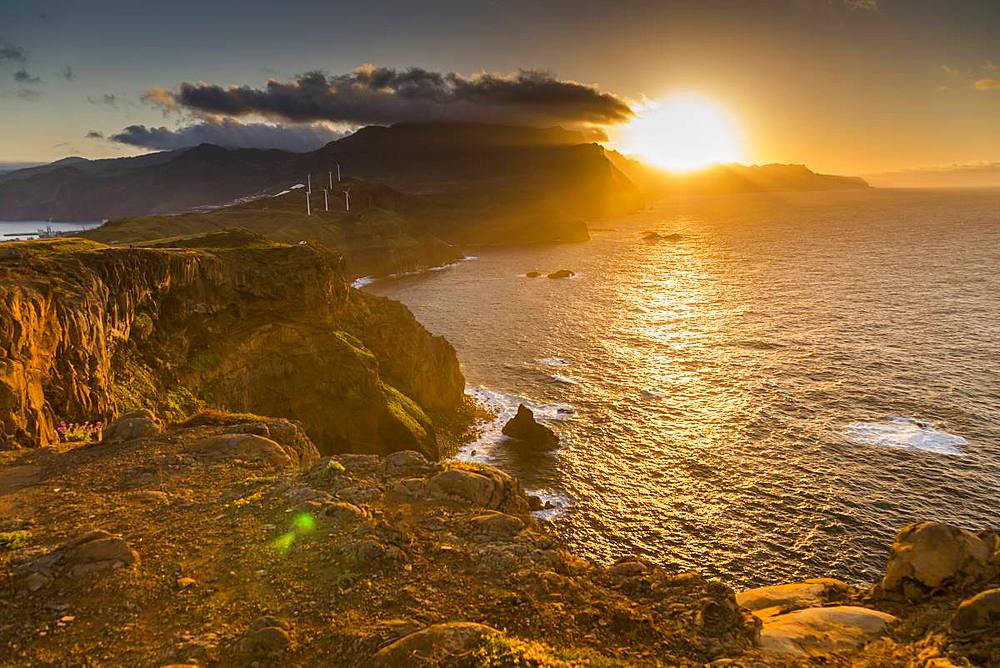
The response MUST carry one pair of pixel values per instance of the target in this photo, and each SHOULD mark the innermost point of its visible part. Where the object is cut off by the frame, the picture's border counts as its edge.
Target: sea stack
(524, 429)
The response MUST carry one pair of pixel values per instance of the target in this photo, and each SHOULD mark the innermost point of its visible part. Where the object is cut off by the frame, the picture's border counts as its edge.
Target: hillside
(374, 237)
(479, 173)
(732, 178)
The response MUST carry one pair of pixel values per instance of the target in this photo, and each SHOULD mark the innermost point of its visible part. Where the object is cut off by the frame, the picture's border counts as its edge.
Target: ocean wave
(556, 503)
(565, 380)
(906, 434)
(362, 282)
(554, 361)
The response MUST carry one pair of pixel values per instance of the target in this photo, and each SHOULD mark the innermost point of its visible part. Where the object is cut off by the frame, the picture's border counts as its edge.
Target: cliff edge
(228, 319)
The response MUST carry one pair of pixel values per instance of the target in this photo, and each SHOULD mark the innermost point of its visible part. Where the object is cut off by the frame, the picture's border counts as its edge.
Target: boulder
(562, 273)
(769, 601)
(496, 525)
(244, 446)
(533, 274)
(979, 612)
(436, 645)
(267, 636)
(523, 428)
(817, 631)
(132, 425)
(405, 463)
(931, 555)
(484, 487)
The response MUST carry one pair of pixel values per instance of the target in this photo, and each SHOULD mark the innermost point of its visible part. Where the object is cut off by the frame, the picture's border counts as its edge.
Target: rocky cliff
(89, 331)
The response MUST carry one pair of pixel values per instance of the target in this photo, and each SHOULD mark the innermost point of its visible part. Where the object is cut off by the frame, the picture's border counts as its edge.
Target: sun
(681, 133)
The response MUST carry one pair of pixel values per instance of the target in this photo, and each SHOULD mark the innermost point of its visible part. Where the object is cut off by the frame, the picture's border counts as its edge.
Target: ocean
(768, 397)
(29, 229)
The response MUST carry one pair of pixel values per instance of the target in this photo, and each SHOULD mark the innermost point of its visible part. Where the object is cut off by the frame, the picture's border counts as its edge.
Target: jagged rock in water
(523, 428)
(562, 273)
(231, 319)
(930, 555)
(533, 274)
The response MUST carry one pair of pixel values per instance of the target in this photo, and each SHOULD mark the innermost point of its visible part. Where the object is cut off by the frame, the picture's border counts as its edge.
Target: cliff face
(89, 331)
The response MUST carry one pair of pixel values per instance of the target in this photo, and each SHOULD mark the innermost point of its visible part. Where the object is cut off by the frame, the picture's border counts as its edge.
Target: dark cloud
(384, 95)
(108, 99)
(68, 73)
(22, 77)
(231, 134)
(94, 134)
(10, 52)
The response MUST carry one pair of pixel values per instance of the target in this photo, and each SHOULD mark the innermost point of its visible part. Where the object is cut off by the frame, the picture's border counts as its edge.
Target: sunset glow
(682, 133)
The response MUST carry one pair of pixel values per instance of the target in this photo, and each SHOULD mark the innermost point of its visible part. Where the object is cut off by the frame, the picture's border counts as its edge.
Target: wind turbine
(309, 180)
(338, 172)
(347, 200)
(308, 205)
(330, 175)
(326, 200)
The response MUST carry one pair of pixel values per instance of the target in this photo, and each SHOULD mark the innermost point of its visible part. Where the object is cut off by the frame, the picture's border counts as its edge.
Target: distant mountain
(475, 180)
(733, 178)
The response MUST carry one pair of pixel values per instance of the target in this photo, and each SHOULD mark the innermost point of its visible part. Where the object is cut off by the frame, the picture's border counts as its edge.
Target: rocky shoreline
(270, 491)
(229, 540)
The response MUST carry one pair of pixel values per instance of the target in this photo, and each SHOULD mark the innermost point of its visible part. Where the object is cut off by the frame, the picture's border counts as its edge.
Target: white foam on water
(905, 433)
(556, 503)
(362, 282)
(554, 361)
(565, 380)
(504, 405)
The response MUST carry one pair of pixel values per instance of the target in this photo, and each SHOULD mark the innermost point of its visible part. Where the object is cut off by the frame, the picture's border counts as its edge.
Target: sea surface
(29, 229)
(769, 397)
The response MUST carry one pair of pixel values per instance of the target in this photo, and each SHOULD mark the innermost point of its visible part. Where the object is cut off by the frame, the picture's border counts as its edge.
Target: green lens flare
(304, 523)
(284, 542)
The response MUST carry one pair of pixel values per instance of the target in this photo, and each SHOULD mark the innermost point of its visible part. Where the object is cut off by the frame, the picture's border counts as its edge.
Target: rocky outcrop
(931, 555)
(230, 319)
(562, 273)
(526, 431)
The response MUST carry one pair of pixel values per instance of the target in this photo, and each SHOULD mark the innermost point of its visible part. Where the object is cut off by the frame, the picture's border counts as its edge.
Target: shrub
(80, 432)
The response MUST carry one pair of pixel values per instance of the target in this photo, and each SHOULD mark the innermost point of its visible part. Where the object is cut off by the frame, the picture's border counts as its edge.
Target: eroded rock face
(931, 555)
(89, 331)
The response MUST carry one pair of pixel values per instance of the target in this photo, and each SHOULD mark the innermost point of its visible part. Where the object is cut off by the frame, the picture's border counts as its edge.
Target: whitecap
(565, 380)
(504, 405)
(554, 361)
(362, 282)
(905, 433)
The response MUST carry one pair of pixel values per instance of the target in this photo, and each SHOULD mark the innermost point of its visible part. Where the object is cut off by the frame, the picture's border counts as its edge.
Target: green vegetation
(502, 650)
(215, 418)
(407, 413)
(134, 386)
(142, 326)
(12, 540)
